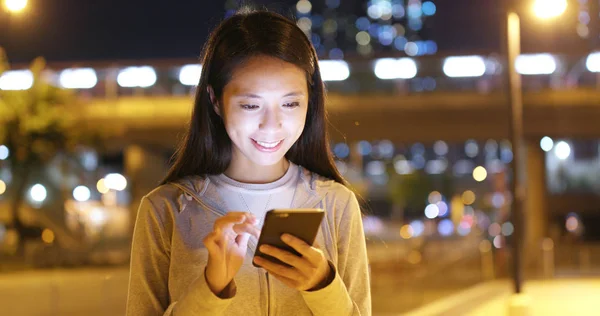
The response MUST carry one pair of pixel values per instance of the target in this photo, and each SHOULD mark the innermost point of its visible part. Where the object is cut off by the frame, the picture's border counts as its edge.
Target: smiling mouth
(268, 144)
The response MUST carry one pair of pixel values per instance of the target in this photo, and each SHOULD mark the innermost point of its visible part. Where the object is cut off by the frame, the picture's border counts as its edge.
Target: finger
(246, 228)
(279, 269)
(228, 220)
(242, 240)
(310, 253)
(212, 243)
(287, 281)
(295, 261)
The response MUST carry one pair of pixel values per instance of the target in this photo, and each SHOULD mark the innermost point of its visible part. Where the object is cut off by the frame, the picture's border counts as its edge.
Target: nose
(271, 119)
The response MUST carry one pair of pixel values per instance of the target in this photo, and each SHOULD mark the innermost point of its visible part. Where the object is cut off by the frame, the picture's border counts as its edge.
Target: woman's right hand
(227, 245)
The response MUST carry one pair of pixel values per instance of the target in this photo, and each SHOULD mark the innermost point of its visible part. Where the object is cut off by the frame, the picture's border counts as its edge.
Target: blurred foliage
(411, 191)
(38, 125)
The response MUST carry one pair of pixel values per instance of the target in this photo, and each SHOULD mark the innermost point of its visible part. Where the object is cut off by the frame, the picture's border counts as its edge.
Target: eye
(292, 104)
(249, 106)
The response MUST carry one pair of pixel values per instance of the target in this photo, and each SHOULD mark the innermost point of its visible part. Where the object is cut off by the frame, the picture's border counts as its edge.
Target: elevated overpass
(157, 120)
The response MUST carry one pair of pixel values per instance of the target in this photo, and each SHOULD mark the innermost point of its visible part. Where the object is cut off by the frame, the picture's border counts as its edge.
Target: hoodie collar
(310, 190)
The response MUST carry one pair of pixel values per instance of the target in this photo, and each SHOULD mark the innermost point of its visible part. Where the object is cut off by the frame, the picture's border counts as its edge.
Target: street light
(545, 9)
(15, 6)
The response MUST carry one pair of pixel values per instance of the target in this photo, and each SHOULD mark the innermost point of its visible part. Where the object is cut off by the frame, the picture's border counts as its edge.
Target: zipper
(268, 294)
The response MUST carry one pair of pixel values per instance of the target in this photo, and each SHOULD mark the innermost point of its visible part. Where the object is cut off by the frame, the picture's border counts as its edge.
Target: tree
(37, 125)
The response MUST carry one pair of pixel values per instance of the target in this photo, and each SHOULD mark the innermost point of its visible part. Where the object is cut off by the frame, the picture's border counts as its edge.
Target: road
(397, 285)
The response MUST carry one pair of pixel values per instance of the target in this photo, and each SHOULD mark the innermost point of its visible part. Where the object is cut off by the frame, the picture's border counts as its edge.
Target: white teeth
(268, 145)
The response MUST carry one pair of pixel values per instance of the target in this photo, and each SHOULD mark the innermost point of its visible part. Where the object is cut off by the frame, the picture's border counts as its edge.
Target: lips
(267, 146)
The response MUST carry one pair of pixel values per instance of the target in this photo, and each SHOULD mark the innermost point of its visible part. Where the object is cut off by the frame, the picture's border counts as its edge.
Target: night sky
(79, 30)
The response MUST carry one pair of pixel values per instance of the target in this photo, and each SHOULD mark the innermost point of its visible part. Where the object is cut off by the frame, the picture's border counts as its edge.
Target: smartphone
(301, 223)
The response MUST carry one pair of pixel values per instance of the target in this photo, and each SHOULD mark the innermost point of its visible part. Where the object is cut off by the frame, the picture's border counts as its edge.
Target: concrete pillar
(144, 168)
(536, 211)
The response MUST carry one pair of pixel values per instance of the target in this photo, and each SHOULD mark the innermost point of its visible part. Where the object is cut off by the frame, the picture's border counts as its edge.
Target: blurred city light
(16, 80)
(390, 68)
(417, 228)
(101, 186)
(132, 77)
(406, 231)
(446, 227)
(434, 197)
(463, 228)
(535, 64)
(189, 75)
(471, 148)
(375, 168)
(2, 187)
(468, 197)
(546, 144)
(507, 229)
(494, 229)
(402, 166)
(414, 257)
(428, 8)
(572, 223)
(431, 211)
(48, 236)
(81, 193)
(4, 152)
(78, 78)
(303, 6)
(498, 241)
(334, 70)
(498, 200)
(593, 62)
(440, 148)
(562, 150)
(547, 9)
(38, 193)
(479, 173)
(97, 216)
(115, 181)
(464, 66)
(443, 208)
(15, 6)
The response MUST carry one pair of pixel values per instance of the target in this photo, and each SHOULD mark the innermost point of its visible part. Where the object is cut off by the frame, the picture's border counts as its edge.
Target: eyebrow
(255, 96)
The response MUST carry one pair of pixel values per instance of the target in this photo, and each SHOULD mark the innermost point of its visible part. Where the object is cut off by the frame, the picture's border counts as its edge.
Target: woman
(257, 141)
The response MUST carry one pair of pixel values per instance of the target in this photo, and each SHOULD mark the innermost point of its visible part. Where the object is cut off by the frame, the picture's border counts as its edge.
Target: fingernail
(285, 237)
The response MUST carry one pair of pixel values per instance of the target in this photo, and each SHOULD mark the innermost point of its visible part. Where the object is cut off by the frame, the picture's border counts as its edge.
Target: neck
(248, 172)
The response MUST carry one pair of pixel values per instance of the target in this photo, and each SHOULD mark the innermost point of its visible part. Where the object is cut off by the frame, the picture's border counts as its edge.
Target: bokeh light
(562, 150)
(479, 174)
(468, 197)
(406, 231)
(432, 211)
(4, 152)
(48, 236)
(2, 187)
(38, 193)
(81, 193)
(101, 186)
(546, 143)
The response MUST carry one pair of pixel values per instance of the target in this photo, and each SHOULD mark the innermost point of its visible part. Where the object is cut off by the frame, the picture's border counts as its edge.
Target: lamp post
(544, 9)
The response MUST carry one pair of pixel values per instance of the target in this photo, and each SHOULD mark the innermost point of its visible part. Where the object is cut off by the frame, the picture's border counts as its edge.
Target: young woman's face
(264, 109)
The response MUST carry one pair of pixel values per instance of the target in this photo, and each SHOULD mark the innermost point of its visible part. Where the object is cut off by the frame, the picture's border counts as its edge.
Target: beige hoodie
(168, 255)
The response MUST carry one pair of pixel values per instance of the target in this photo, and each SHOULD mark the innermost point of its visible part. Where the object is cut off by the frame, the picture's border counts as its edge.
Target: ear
(213, 99)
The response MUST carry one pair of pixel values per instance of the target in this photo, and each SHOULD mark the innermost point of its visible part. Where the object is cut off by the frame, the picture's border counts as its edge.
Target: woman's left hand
(306, 273)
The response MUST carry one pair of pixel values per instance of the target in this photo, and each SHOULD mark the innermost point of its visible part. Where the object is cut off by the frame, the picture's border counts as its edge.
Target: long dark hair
(206, 148)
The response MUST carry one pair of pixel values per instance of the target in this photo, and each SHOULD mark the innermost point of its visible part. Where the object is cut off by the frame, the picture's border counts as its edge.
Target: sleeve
(349, 293)
(148, 292)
